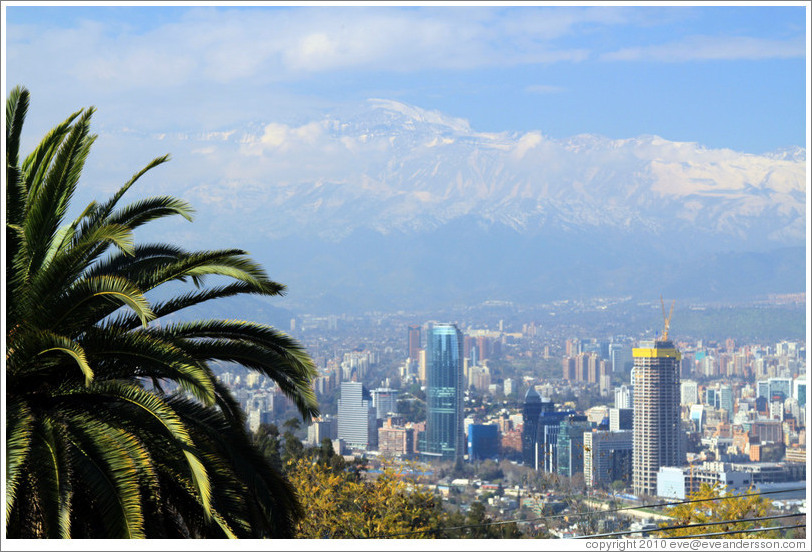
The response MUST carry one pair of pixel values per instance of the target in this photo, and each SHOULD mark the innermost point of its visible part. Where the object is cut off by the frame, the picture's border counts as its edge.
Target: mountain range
(392, 205)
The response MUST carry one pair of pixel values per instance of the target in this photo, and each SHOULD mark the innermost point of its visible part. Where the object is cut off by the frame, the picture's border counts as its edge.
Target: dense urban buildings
(737, 409)
(657, 429)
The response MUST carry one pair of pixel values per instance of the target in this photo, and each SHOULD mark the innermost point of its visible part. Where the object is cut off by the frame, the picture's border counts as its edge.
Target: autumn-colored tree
(341, 505)
(721, 505)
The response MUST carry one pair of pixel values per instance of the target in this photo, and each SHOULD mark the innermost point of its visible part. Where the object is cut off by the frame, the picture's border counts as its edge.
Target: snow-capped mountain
(376, 202)
(393, 167)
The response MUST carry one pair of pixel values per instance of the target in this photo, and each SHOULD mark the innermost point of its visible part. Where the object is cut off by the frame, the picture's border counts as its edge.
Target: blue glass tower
(483, 442)
(531, 412)
(444, 353)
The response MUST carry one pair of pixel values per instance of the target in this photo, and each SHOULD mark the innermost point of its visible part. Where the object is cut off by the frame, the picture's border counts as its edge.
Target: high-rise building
(568, 364)
(444, 389)
(547, 437)
(621, 419)
(356, 416)
(799, 390)
(385, 401)
(657, 435)
(508, 385)
(320, 429)
(726, 400)
(414, 342)
(697, 416)
(396, 440)
(689, 393)
(483, 442)
(573, 347)
(570, 449)
(712, 397)
(607, 457)
(621, 357)
(780, 389)
(624, 396)
(530, 415)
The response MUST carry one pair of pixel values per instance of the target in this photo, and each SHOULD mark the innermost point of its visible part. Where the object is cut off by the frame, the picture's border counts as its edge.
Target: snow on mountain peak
(420, 115)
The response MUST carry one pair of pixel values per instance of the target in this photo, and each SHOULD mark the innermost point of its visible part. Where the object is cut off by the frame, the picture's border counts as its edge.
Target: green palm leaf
(19, 431)
(103, 451)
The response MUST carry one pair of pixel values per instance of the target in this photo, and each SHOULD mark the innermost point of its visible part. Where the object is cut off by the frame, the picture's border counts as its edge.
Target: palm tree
(116, 425)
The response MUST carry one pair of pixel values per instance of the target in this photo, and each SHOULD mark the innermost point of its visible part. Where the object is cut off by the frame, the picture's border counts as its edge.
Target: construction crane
(666, 319)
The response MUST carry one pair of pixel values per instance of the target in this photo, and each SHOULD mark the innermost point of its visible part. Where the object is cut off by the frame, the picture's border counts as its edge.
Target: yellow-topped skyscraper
(657, 437)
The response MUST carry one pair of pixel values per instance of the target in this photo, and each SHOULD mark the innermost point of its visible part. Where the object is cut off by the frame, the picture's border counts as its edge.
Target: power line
(576, 514)
(687, 526)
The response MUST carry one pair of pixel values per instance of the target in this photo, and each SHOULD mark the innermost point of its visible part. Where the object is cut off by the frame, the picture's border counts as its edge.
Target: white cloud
(697, 48)
(525, 143)
(544, 89)
(276, 45)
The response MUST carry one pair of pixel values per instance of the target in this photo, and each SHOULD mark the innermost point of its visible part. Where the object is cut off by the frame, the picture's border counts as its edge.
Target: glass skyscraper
(444, 389)
(532, 410)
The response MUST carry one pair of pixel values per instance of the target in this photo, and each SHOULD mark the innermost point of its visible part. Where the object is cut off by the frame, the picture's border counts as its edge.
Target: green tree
(731, 510)
(481, 526)
(266, 438)
(116, 424)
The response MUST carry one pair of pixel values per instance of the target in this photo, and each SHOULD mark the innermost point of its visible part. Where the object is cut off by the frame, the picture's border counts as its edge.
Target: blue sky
(730, 76)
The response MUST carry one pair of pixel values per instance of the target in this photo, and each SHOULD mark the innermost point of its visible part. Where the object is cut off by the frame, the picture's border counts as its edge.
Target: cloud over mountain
(392, 167)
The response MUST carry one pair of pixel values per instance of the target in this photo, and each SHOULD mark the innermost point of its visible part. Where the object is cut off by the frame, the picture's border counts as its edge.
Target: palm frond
(107, 207)
(121, 355)
(88, 301)
(16, 110)
(20, 428)
(48, 202)
(147, 210)
(93, 452)
(53, 343)
(259, 348)
(159, 411)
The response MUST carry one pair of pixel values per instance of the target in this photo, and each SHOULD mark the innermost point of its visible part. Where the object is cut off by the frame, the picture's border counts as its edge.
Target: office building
(570, 447)
(726, 401)
(799, 390)
(689, 393)
(483, 442)
(444, 390)
(357, 424)
(414, 342)
(620, 357)
(621, 419)
(697, 416)
(547, 438)
(530, 414)
(320, 429)
(607, 457)
(385, 402)
(712, 397)
(657, 429)
(624, 396)
(509, 386)
(780, 389)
